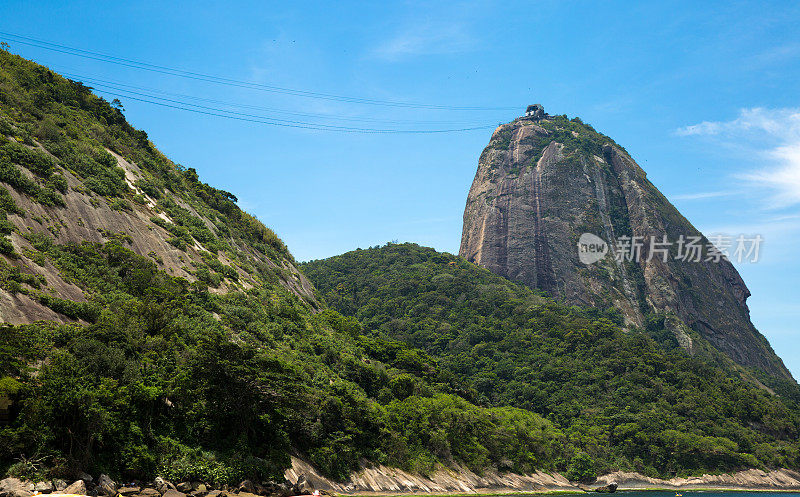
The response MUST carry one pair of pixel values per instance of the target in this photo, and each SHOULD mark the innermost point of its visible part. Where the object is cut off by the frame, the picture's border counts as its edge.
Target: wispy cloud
(779, 54)
(704, 195)
(774, 135)
(784, 179)
(779, 233)
(426, 38)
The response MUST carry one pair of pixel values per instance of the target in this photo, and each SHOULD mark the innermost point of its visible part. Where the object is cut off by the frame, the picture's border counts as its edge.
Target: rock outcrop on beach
(304, 479)
(543, 181)
(383, 480)
(104, 486)
(755, 479)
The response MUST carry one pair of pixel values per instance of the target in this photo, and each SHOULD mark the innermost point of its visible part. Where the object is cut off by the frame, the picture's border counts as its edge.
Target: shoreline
(511, 492)
(302, 480)
(531, 492)
(382, 481)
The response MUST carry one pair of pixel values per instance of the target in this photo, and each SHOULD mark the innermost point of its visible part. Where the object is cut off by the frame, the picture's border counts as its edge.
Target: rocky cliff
(543, 181)
(73, 171)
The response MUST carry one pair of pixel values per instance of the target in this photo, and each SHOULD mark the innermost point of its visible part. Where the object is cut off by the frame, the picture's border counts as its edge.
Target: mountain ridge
(173, 334)
(153, 328)
(544, 180)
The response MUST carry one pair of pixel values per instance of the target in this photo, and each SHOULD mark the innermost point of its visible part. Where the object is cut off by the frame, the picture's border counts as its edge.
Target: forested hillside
(623, 400)
(151, 327)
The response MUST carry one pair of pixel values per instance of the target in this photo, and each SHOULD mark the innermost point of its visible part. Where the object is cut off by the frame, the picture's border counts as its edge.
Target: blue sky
(704, 95)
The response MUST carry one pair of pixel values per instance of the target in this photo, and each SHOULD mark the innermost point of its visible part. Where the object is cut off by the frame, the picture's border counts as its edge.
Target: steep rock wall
(542, 182)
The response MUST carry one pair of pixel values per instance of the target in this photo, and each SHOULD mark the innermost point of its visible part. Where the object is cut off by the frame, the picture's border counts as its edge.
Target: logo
(591, 248)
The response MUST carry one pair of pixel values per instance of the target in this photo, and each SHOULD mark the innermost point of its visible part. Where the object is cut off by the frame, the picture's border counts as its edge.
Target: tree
(581, 468)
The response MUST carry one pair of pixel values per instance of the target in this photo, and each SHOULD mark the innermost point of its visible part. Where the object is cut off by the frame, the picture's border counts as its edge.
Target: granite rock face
(87, 217)
(543, 181)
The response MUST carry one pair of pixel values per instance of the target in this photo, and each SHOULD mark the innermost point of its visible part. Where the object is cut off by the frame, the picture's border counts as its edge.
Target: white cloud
(703, 195)
(784, 179)
(774, 135)
(779, 123)
(426, 38)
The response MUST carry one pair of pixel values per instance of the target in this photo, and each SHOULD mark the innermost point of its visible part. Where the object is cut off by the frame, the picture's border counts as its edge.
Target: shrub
(119, 204)
(34, 160)
(75, 310)
(58, 182)
(7, 203)
(581, 468)
(178, 243)
(50, 198)
(9, 173)
(6, 247)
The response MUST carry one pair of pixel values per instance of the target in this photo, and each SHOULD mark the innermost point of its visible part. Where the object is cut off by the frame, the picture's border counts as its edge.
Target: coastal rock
(284, 489)
(44, 487)
(149, 492)
(607, 489)
(173, 493)
(78, 488)
(543, 183)
(303, 486)
(184, 487)
(107, 486)
(163, 485)
(198, 489)
(451, 480)
(125, 491)
(247, 486)
(753, 479)
(14, 487)
(381, 479)
(59, 485)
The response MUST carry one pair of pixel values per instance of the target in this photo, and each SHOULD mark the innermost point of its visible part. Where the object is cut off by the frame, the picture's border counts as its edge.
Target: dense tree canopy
(627, 399)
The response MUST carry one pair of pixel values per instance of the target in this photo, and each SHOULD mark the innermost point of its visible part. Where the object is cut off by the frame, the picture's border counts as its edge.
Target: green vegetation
(625, 400)
(158, 384)
(157, 375)
(422, 359)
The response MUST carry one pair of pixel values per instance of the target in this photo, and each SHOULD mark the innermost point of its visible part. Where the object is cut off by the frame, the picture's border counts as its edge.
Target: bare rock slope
(544, 180)
(73, 171)
(86, 217)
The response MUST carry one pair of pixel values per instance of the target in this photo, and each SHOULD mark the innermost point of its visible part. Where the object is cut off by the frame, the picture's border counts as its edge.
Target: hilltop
(544, 181)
